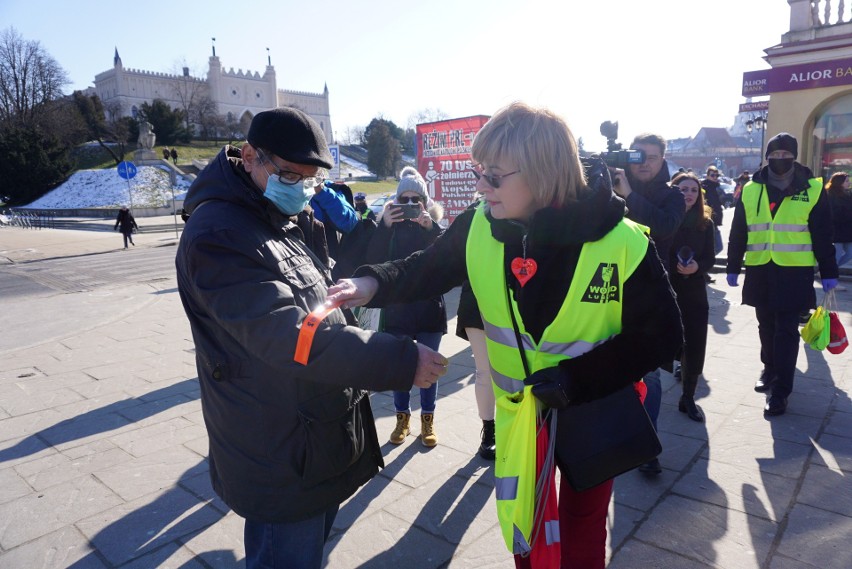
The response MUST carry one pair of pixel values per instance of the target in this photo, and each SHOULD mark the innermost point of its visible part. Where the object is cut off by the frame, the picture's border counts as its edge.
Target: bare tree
(426, 115)
(191, 92)
(29, 78)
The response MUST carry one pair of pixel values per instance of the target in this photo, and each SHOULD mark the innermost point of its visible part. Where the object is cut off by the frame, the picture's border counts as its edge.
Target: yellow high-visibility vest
(589, 316)
(785, 239)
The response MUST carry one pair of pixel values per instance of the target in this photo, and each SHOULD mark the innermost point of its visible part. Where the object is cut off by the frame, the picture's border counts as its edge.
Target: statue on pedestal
(147, 138)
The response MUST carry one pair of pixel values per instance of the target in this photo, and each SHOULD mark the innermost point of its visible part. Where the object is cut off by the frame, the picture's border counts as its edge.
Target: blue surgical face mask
(290, 199)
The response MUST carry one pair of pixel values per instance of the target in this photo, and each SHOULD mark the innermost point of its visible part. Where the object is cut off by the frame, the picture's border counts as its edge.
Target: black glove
(551, 386)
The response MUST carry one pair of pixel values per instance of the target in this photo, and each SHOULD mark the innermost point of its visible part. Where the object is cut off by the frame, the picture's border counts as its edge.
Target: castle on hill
(239, 95)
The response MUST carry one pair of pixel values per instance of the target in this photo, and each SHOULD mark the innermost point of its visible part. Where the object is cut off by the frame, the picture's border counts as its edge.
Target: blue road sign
(126, 169)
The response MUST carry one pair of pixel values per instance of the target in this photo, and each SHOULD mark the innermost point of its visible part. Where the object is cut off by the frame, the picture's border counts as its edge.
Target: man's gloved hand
(828, 284)
(732, 279)
(551, 386)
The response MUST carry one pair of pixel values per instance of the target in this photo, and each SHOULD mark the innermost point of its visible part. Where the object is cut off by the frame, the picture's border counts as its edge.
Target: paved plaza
(103, 446)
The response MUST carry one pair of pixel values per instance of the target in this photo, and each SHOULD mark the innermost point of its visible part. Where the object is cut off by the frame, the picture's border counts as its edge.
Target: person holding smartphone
(691, 256)
(408, 224)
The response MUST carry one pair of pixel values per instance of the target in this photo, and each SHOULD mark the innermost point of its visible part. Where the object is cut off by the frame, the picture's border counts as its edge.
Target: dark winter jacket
(287, 441)
(651, 329)
(772, 286)
(699, 240)
(125, 221)
(656, 205)
(397, 242)
(841, 215)
(712, 198)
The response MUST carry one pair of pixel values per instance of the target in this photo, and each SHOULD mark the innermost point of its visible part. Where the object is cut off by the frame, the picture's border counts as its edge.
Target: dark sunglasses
(492, 180)
(713, 175)
(408, 199)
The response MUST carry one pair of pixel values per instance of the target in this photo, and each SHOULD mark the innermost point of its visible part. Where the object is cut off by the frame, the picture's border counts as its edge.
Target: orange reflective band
(309, 328)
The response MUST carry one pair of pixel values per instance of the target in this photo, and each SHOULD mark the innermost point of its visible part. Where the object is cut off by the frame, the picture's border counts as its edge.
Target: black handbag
(600, 439)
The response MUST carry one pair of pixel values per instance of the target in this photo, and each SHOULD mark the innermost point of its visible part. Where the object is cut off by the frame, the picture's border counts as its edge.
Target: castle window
(233, 92)
(257, 95)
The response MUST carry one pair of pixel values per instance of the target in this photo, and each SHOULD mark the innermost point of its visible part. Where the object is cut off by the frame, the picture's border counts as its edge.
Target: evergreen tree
(168, 123)
(383, 154)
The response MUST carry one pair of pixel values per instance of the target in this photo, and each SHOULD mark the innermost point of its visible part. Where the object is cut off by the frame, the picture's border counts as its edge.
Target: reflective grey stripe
(570, 349)
(780, 247)
(506, 383)
(792, 248)
(759, 227)
(791, 227)
(551, 532)
(519, 542)
(506, 488)
(506, 336)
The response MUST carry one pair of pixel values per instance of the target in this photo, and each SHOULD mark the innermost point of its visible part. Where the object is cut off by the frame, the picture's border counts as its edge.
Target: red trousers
(582, 528)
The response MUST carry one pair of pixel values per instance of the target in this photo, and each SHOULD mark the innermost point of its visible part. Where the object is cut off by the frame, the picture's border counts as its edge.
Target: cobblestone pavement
(102, 443)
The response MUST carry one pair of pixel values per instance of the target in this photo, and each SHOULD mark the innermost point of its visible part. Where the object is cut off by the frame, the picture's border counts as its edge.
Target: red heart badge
(523, 269)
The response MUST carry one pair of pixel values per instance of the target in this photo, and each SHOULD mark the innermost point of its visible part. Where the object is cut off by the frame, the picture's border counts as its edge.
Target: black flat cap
(292, 135)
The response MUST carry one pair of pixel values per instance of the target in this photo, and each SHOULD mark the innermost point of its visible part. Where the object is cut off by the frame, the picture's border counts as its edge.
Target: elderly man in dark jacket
(782, 227)
(289, 421)
(653, 203)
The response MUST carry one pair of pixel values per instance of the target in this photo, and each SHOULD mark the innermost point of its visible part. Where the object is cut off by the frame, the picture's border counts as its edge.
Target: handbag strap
(518, 338)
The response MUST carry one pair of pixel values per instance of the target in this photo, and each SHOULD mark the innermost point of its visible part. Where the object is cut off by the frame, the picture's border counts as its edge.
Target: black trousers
(779, 346)
(694, 310)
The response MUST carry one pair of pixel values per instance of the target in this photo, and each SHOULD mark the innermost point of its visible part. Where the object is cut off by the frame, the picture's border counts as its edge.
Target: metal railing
(29, 219)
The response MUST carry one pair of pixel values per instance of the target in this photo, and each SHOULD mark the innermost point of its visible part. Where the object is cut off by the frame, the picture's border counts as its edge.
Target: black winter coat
(711, 198)
(841, 216)
(125, 221)
(651, 330)
(772, 286)
(397, 242)
(287, 440)
(656, 205)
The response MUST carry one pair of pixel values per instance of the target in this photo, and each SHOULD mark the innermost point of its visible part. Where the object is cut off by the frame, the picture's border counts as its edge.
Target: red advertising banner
(444, 161)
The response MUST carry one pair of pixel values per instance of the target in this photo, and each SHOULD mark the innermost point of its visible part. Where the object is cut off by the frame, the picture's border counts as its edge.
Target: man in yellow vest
(782, 227)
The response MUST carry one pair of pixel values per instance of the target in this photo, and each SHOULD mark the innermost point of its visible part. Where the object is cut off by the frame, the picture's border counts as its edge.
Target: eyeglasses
(288, 177)
(408, 199)
(492, 180)
(713, 175)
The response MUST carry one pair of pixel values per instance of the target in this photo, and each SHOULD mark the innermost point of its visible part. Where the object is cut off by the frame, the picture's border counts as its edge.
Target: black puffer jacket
(656, 205)
(286, 440)
(772, 286)
(841, 215)
(397, 242)
(651, 329)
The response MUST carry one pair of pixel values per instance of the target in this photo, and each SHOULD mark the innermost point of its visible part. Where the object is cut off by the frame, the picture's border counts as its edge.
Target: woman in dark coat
(424, 321)
(692, 256)
(840, 199)
(126, 224)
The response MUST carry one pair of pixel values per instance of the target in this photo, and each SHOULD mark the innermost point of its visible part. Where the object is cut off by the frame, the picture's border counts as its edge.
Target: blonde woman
(552, 261)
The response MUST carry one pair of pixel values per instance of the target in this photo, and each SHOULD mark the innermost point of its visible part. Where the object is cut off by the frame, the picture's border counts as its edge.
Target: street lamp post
(761, 123)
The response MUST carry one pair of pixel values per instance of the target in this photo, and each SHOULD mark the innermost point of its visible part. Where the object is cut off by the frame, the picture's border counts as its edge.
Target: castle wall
(237, 92)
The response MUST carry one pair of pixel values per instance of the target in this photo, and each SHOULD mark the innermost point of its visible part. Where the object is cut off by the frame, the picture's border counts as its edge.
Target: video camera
(615, 157)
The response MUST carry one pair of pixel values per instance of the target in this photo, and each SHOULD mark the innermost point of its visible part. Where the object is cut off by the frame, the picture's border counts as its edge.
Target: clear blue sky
(669, 66)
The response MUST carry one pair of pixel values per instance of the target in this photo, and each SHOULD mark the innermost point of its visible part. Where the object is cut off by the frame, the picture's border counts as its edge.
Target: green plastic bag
(817, 332)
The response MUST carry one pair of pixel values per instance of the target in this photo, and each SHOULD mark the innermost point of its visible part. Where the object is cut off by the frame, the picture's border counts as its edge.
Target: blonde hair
(540, 145)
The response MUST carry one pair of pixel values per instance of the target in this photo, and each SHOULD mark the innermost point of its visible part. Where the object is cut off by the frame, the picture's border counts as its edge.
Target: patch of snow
(150, 187)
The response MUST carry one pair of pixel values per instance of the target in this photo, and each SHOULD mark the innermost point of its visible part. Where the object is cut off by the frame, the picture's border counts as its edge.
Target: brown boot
(427, 430)
(401, 431)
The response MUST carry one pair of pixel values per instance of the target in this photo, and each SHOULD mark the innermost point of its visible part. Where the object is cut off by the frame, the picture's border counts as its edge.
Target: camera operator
(652, 202)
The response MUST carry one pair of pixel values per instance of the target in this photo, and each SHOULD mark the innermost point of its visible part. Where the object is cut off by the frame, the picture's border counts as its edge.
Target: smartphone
(409, 210)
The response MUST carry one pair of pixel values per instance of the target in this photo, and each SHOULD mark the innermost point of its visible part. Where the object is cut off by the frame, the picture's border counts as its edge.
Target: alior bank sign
(797, 77)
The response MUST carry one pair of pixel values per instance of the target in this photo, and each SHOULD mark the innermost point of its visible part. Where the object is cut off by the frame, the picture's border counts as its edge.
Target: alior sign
(797, 77)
